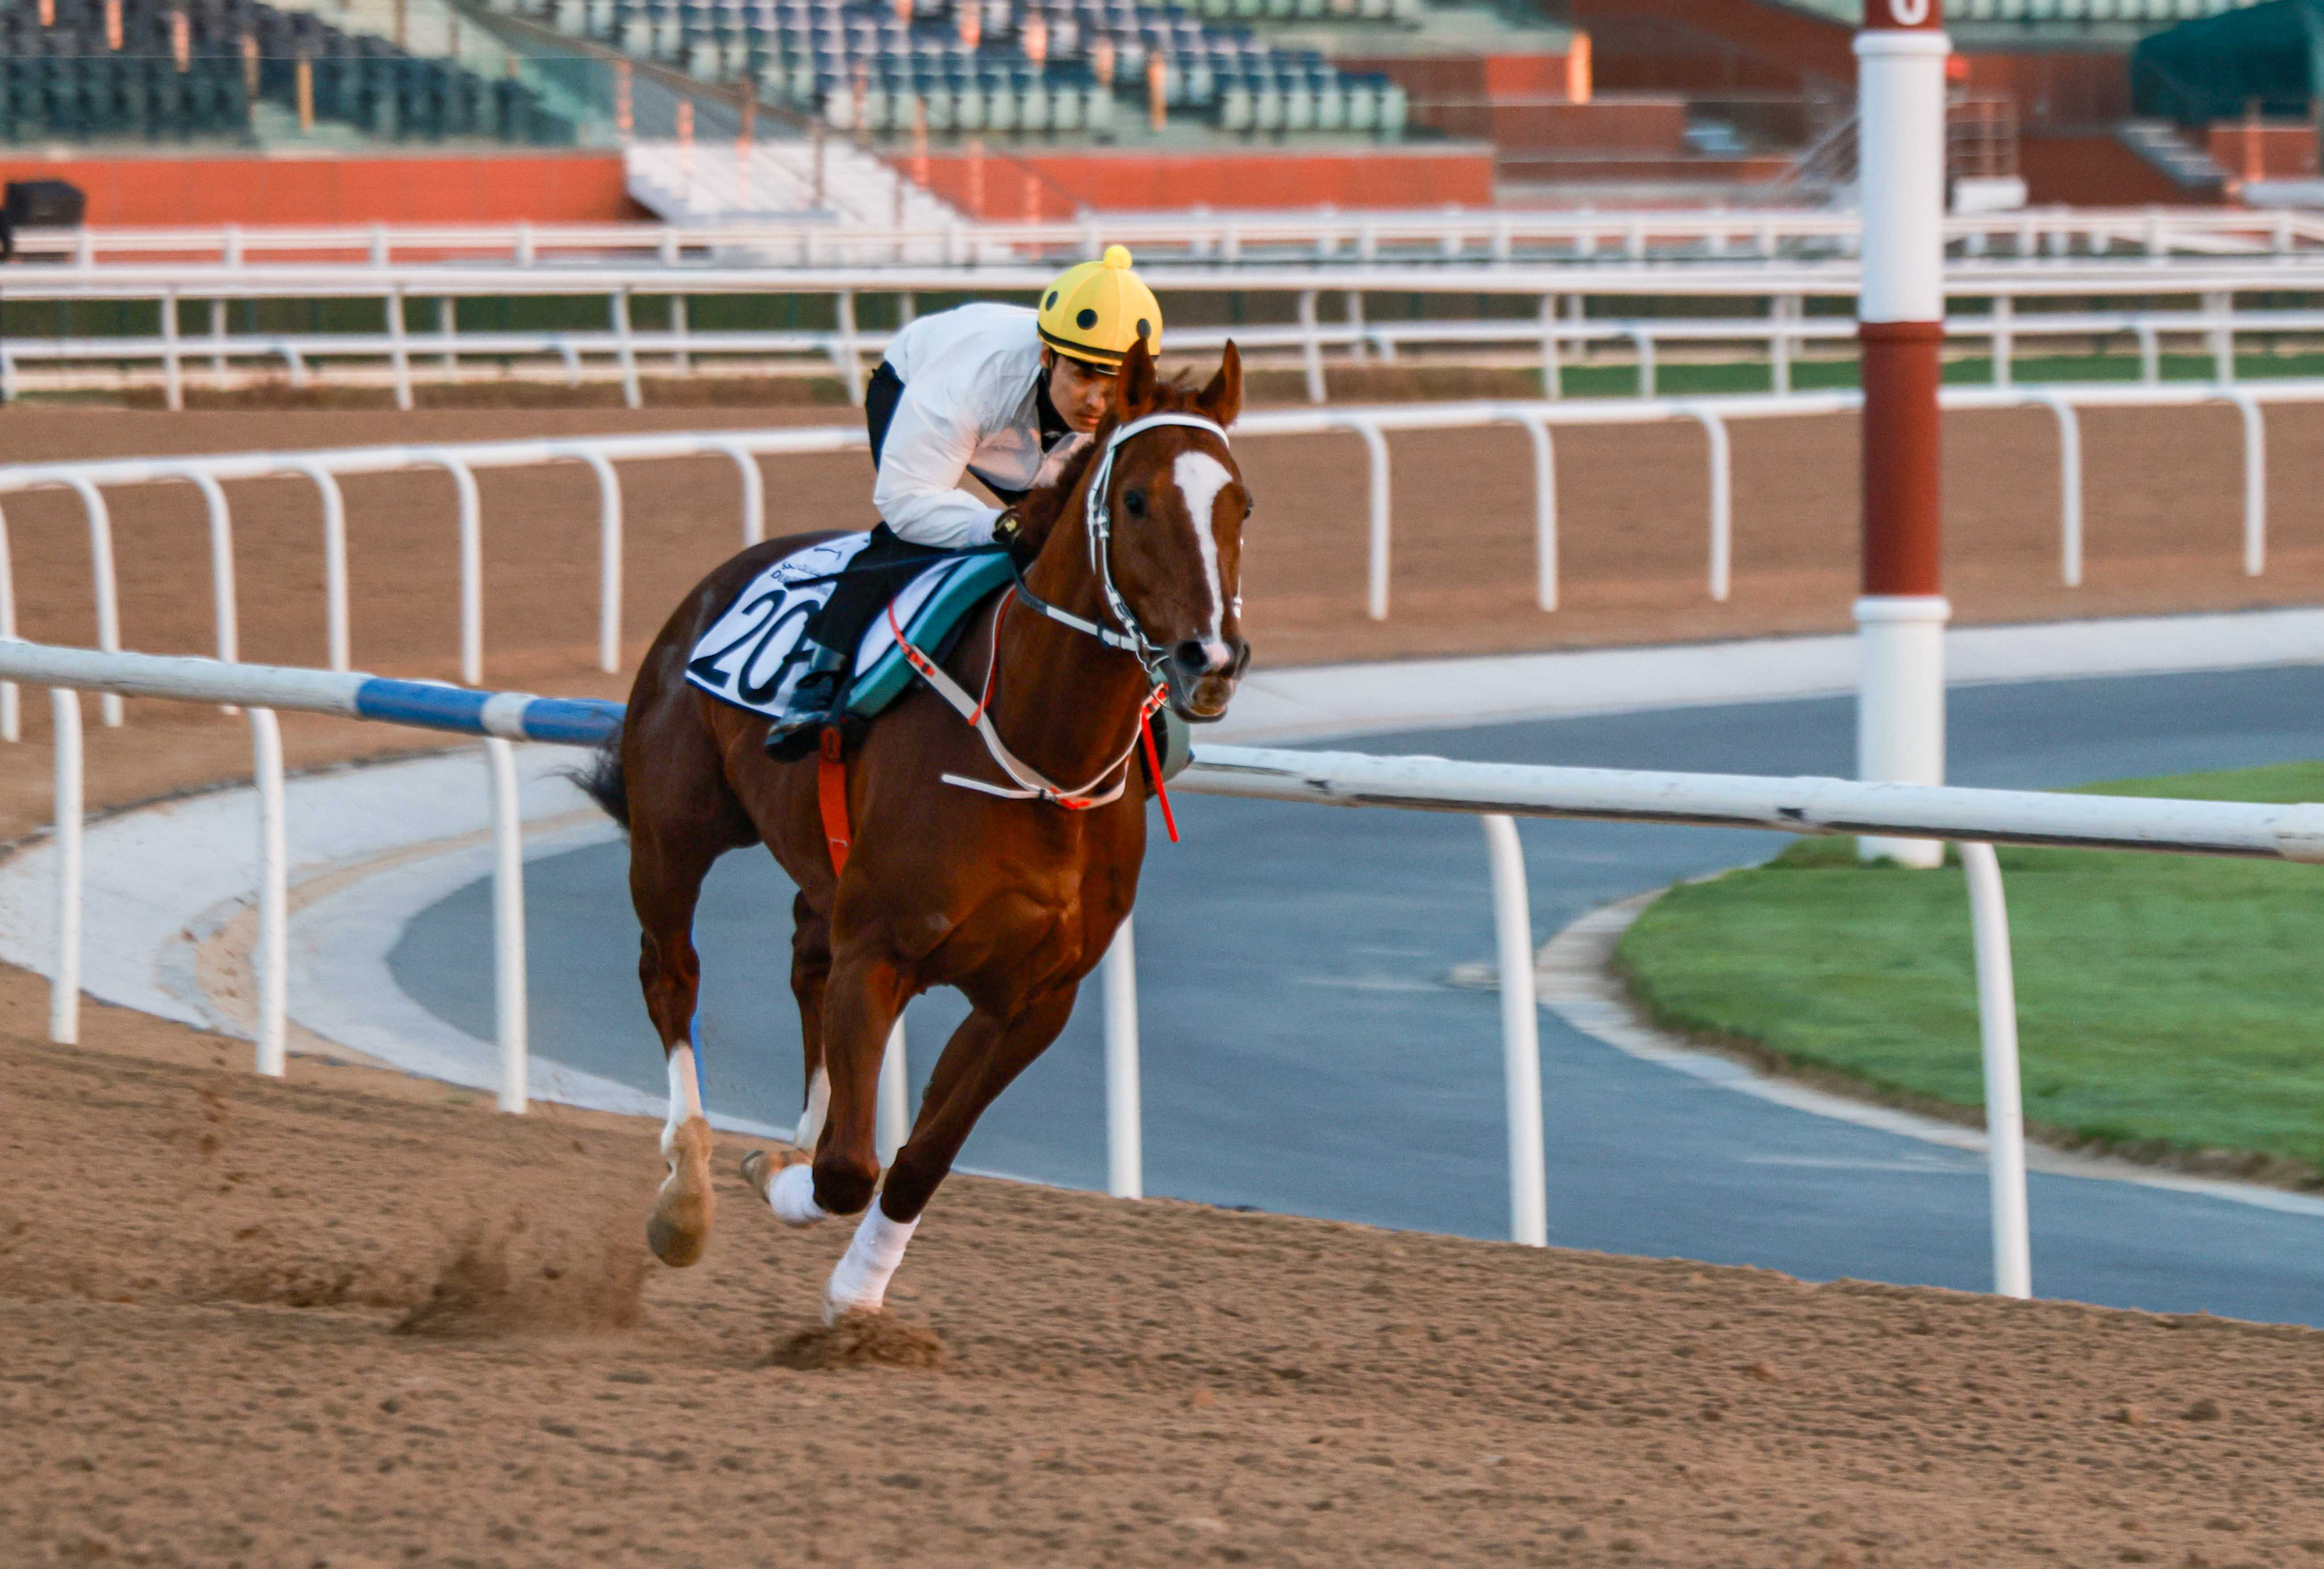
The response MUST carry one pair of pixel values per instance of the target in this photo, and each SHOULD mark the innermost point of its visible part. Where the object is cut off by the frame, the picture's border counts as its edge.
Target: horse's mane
(1038, 513)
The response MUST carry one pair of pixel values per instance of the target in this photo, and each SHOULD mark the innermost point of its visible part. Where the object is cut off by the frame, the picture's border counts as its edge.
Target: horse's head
(1177, 504)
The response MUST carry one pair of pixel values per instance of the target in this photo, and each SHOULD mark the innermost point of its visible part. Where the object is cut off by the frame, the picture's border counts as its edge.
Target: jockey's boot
(815, 703)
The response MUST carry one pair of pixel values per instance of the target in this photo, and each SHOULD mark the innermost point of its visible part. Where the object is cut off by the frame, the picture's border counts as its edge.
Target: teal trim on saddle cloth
(965, 586)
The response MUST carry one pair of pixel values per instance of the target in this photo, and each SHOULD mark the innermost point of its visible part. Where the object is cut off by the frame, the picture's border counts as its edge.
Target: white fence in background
(1773, 319)
(1448, 234)
(89, 481)
(1977, 819)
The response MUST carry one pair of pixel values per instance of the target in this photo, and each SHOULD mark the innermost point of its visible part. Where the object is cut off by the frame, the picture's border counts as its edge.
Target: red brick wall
(545, 188)
(2263, 152)
(2055, 89)
(1609, 124)
(2095, 171)
(1254, 181)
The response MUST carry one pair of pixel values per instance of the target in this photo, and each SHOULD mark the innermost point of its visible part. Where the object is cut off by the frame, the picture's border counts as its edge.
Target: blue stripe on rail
(572, 721)
(576, 721)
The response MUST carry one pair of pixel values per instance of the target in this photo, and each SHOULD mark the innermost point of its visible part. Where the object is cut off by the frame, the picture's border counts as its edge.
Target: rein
(1130, 638)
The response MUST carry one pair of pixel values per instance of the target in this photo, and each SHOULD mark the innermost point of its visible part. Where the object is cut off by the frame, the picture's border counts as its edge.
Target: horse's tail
(601, 779)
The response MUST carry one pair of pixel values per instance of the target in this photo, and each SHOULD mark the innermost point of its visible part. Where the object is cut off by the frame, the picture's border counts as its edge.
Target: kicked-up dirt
(355, 1319)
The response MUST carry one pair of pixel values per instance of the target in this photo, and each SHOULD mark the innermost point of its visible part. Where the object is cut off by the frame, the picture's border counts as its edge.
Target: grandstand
(177, 70)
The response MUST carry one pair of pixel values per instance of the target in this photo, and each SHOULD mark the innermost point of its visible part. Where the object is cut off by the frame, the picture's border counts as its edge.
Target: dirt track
(350, 1321)
(202, 1275)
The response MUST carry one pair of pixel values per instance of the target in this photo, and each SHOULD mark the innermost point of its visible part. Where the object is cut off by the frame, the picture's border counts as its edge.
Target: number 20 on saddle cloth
(754, 654)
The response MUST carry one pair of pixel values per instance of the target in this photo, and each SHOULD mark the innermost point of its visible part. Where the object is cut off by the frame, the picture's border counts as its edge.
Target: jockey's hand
(1009, 531)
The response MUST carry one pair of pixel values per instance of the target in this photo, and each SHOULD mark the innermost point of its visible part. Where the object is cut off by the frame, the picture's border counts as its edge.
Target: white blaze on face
(1199, 479)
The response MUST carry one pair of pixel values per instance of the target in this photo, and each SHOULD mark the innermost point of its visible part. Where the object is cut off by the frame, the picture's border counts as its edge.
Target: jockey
(983, 390)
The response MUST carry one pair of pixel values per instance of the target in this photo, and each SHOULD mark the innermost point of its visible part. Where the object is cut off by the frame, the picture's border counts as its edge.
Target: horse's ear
(1222, 401)
(1134, 384)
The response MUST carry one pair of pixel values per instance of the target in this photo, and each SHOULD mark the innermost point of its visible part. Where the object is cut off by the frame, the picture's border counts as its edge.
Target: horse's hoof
(679, 1230)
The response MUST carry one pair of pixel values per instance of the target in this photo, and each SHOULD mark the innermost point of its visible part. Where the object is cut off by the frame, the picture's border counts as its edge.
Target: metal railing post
(1310, 347)
(1375, 448)
(2070, 486)
(754, 495)
(64, 990)
(2255, 480)
(850, 359)
(335, 632)
(2004, 343)
(2221, 306)
(1125, 1150)
(173, 390)
(1552, 369)
(222, 594)
(398, 352)
(472, 567)
(609, 561)
(508, 924)
(1722, 500)
(2004, 1117)
(1544, 508)
(2150, 353)
(894, 1116)
(270, 948)
(1520, 1033)
(625, 349)
(108, 593)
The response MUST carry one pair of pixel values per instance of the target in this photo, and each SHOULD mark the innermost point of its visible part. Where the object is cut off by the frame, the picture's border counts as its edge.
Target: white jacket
(970, 375)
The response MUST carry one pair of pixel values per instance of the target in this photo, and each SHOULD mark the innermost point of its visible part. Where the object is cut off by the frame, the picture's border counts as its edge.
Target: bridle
(1132, 638)
(1128, 637)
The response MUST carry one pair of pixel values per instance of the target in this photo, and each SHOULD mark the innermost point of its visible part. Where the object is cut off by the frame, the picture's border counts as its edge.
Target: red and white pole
(1900, 723)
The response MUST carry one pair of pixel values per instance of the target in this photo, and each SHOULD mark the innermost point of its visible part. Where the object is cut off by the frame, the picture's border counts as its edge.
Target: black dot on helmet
(1051, 304)
(1086, 319)
(1144, 327)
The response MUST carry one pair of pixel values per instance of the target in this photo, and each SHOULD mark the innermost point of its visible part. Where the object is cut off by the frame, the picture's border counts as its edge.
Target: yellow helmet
(1096, 310)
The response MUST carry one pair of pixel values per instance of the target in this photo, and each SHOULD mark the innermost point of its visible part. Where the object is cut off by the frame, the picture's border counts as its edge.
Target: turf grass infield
(2168, 1005)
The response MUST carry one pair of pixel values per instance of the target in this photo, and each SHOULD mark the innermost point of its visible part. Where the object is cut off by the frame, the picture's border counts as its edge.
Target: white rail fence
(1496, 793)
(90, 482)
(1557, 334)
(1451, 233)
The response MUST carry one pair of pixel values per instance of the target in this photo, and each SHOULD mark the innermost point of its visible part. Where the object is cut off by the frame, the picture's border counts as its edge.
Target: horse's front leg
(983, 1056)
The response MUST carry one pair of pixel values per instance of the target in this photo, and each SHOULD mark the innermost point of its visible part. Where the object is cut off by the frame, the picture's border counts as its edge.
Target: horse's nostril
(1193, 656)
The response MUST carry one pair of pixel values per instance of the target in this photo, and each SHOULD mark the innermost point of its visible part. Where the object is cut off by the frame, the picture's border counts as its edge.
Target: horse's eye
(1133, 502)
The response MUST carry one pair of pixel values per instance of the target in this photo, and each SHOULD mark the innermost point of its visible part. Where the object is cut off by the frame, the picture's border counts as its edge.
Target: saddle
(753, 655)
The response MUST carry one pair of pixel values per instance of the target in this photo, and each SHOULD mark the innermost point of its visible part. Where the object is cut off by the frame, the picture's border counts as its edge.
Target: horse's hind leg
(665, 882)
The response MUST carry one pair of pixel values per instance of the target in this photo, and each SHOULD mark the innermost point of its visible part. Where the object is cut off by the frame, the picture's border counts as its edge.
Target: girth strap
(831, 794)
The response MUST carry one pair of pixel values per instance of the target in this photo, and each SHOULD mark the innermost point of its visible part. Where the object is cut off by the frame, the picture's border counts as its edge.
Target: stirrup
(815, 703)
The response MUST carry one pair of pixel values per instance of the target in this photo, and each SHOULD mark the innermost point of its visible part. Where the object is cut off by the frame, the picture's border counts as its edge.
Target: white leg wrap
(792, 1196)
(818, 1105)
(685, 1095)
(859, 1281)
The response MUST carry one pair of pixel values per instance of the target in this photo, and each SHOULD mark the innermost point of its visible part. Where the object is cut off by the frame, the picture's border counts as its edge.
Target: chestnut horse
(968, 866)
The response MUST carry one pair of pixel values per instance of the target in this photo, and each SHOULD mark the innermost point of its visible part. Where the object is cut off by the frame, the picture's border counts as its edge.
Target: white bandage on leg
(818, 1105)
(792, 1196)
(685, 1095)
(859, 1281)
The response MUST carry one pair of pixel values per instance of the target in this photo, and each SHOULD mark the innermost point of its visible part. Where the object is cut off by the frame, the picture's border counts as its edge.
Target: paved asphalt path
(1303, 1052)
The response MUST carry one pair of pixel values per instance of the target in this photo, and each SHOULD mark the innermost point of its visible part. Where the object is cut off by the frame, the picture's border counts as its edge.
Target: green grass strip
(2165, 1002)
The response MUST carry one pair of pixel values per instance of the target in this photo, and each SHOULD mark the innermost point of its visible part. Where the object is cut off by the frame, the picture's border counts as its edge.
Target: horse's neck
(1066, 703)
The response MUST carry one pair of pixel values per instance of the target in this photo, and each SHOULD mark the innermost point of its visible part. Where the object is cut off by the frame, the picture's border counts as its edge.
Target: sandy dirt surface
(354, 1319)
(2163, 505)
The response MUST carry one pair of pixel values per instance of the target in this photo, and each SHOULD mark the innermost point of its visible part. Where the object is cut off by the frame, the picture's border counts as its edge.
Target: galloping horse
(958, 861)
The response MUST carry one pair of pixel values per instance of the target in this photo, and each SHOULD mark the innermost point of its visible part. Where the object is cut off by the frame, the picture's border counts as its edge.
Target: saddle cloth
(753, 655)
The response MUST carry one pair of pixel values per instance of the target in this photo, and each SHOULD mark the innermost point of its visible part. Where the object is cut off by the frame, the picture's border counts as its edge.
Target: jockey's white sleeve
(967, 407)
(922, 463)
